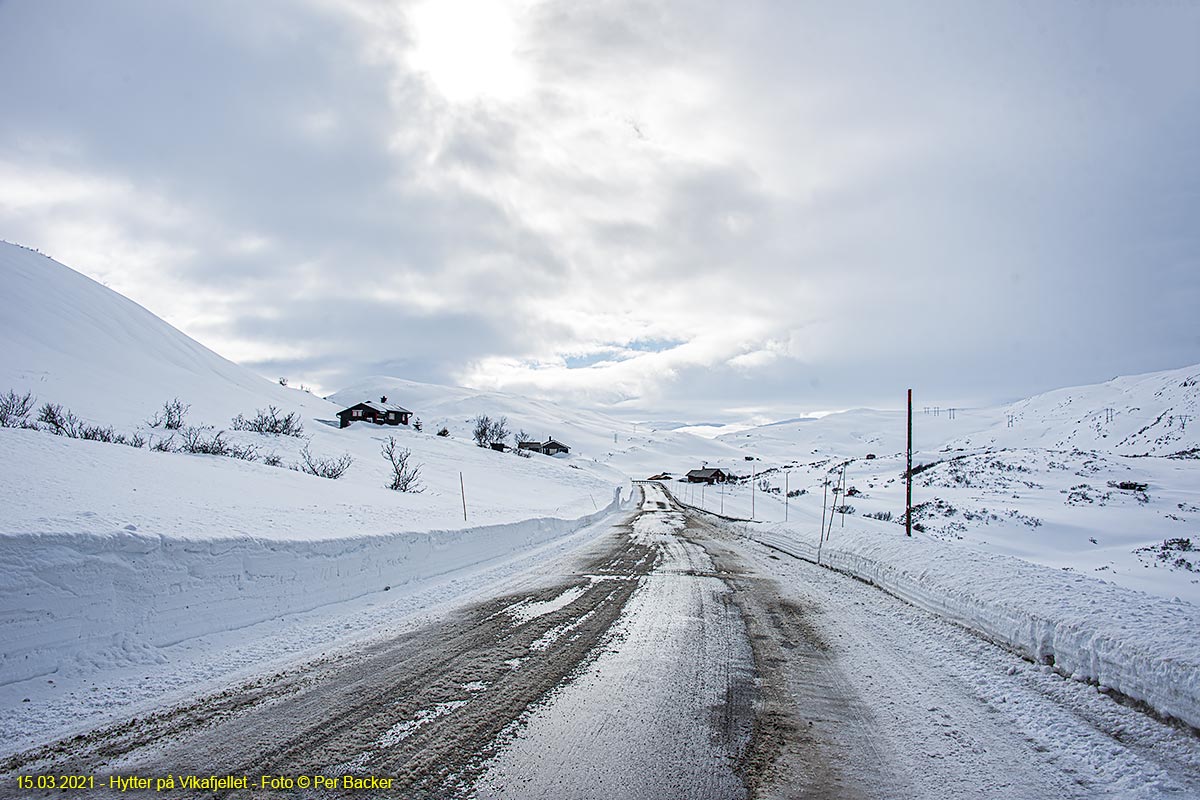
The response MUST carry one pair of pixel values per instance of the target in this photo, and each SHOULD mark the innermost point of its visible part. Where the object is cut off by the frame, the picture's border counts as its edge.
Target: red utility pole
(908, 474)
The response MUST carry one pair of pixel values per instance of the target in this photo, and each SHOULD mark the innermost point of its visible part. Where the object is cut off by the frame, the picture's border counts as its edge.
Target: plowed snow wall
(119, 597)
(1142, 646)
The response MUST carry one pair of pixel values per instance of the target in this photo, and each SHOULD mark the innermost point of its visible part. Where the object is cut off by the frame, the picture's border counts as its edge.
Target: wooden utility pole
(833, 509)
(786, 476)
(908, 474)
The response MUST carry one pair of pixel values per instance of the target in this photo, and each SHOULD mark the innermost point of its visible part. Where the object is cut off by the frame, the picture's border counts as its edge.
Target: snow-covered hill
(1151, 414)
(856, 433)
(634, 449)
(1102, 480)
(71, 340)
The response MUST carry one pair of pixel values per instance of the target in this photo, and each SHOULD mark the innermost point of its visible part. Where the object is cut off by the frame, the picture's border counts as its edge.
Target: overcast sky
(687, 210)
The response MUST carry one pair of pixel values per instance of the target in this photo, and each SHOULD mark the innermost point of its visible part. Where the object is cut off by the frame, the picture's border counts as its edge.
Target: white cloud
(802, 205)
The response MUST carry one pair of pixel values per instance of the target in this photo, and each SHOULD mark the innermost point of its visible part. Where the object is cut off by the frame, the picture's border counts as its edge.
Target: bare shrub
(488, 431)
(171, 417)
(332, 468)
(273, 421)
(882, 516)
(63, 422)
(273, 460)
(417, 425)
(245, 452)
(202, 441)
(100, 433)
(15, 410)
(500, 430)
(443, 431)
(197, 439)
(405, 476)
(60, 421)
(482, 430)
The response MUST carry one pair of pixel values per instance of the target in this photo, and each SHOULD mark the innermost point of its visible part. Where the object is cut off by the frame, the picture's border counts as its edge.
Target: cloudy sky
(691, 210)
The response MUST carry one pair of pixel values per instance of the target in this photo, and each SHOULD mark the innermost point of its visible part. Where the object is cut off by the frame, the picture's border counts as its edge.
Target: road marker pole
(908, 474)
(462, 487)
(824, 500)
(843, 495)
(786, 477)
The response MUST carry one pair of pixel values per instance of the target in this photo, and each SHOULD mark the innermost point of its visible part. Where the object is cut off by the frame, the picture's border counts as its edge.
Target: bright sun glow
(468, 48)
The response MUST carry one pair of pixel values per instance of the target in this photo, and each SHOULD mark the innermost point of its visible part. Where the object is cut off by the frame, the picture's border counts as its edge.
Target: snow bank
(1142, 646)
(117, 598)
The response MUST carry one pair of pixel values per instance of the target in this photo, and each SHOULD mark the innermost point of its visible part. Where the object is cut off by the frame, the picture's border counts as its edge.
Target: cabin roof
(709, 472)
(381, 407)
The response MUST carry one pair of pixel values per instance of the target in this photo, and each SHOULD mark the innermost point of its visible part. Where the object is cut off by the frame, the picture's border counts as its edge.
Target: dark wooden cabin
(709, 476)
(550, 447)
(379, 413)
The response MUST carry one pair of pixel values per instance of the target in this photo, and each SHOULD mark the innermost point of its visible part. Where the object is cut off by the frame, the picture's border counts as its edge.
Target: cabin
(709, 476)
(379, 413)
(550, 447)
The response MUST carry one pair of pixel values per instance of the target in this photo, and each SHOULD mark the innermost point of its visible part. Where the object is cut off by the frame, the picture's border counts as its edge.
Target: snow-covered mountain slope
(635, 449)
(1151, 414)
(1157, 413)
(70, 340)
(858, 432)
(1101, 480)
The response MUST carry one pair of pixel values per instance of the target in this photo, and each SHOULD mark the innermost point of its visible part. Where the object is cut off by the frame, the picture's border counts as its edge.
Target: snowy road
(675, 658)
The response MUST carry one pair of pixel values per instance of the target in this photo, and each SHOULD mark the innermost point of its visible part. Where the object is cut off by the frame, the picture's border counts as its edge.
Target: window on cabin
(356, 412)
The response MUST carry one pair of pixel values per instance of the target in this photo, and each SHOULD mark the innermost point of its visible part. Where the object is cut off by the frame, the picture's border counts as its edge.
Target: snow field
(1059, 509)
